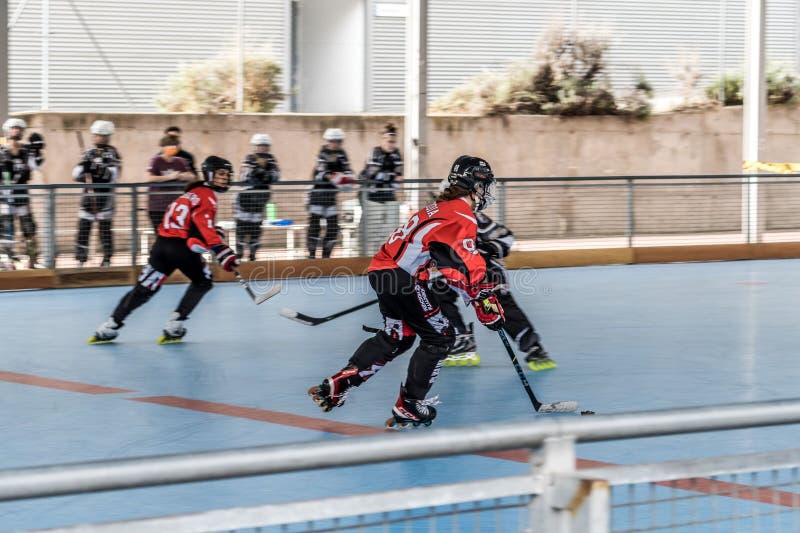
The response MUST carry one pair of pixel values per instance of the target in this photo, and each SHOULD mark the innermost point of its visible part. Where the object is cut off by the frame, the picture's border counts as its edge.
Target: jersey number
(175, 217)
(403, 232)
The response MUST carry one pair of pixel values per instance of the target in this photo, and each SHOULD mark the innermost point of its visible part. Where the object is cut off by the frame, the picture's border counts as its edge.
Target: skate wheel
(95, 340)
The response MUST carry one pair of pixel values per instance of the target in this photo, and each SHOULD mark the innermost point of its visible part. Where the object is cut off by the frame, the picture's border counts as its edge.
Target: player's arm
(494, 239)
(204, 218)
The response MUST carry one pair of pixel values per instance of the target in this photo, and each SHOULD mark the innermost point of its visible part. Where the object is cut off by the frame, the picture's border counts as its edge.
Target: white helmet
(260, 139)
(333, 134)
(14, 123)
(102, 127)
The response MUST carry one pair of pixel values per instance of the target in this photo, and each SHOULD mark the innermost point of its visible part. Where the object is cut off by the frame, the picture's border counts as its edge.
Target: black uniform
(322, 199)
(494, 243)
(103, 165)
(382, 169)
(15, 169)
(189, 158)
(259, 171)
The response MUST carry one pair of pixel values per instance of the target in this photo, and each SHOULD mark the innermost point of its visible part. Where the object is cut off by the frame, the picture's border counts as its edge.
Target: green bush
(783, 87)
(567, 78)
(210, 86)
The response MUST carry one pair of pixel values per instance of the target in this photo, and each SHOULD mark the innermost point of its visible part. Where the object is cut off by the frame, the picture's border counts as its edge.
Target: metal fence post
(52, 245)
(134, 225)
(631, 214)
(501, 202)
(556, 456)
(362, 225)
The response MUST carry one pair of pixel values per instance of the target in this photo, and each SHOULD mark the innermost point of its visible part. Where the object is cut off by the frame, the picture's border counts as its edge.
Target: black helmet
(210, 166)
(475, 175)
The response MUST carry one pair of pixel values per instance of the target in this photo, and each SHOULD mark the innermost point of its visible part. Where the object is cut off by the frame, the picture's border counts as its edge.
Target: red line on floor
(60, 384)
(702, 485)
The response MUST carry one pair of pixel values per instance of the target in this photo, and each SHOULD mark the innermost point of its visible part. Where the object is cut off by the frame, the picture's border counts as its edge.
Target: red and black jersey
(442, 235)
(193, 214)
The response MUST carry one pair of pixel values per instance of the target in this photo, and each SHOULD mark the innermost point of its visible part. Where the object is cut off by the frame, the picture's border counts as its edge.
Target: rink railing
(553, 497)
(554, 213)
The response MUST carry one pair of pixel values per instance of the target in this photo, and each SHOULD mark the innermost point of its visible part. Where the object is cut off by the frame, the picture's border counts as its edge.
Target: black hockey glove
(225, 257)
(36, 142)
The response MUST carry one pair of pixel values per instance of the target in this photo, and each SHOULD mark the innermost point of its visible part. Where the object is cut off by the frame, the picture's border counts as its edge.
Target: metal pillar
(4, 59)
(754, 111)
(416, 127)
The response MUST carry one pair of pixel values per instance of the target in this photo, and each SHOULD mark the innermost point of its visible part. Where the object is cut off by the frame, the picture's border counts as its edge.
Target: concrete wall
(683, 143)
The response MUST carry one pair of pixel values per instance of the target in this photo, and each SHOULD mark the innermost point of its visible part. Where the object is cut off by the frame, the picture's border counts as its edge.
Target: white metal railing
(557, 497)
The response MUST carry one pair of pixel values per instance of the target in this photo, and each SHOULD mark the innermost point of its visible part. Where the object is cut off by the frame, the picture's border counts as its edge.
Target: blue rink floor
(625, 338)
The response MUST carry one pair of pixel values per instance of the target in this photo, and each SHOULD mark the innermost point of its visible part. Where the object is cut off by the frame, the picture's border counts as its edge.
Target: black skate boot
(463, 351)
(333, 391)
(173, 330)
(106, 332)
(538, 359)
(410, 413)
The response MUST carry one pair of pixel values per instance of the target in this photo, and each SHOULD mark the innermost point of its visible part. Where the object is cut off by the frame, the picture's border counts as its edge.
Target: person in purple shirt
(163, 168)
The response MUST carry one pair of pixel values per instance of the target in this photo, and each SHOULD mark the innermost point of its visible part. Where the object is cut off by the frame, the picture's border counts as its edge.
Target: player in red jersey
(186, 231)
(440, 236)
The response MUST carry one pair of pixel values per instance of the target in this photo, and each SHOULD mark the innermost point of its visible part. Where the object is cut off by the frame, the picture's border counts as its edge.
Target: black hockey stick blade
(291, 314)
(539, 407)
(370, 329)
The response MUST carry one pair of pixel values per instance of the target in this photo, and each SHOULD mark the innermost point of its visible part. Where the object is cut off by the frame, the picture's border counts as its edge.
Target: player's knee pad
(395, 346)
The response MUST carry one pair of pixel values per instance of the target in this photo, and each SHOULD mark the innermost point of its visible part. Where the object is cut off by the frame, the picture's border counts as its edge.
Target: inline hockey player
(259, 171)
(442, 235)
(331, 172)
(17, 160)
(186, 231)
(494, 244)
(99, 165)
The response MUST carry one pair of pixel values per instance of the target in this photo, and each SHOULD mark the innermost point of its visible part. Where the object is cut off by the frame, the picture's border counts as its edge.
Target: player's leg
(196, 269)
(312, 236)
(372, 355)
(29, 233)
(82, 241)
(463, 352)
(106, 237)
(153, 275)
(521, 329)
(331, 231)
(423, 314)
(254, 238)
(241, 237)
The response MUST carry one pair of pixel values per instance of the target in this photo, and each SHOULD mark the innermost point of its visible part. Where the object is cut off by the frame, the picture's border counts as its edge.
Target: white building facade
(347, 56)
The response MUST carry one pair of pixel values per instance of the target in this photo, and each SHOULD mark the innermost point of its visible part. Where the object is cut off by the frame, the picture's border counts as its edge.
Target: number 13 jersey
(193, 214)
(442, 235)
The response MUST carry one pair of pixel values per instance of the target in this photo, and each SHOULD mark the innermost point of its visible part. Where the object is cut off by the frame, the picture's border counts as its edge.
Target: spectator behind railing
(17, 160)
(175, 131)
(165, 168)
(101, 164)
(259, 171)
(331, 172)
(384, 170)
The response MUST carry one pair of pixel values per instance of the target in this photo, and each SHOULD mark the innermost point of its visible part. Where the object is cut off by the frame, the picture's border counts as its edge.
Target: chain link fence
(66, 226)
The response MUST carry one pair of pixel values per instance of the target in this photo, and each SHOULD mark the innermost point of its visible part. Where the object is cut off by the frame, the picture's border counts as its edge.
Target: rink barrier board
(307, 268)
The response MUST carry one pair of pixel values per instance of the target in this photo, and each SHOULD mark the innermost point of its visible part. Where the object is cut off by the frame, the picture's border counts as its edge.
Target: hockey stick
(257, 298)
(370, 329)
(539, 407)
(291, 314)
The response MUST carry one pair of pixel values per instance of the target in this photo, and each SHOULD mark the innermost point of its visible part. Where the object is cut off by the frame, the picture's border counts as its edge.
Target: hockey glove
(36, 141)
(489, 312)
(225, 257)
